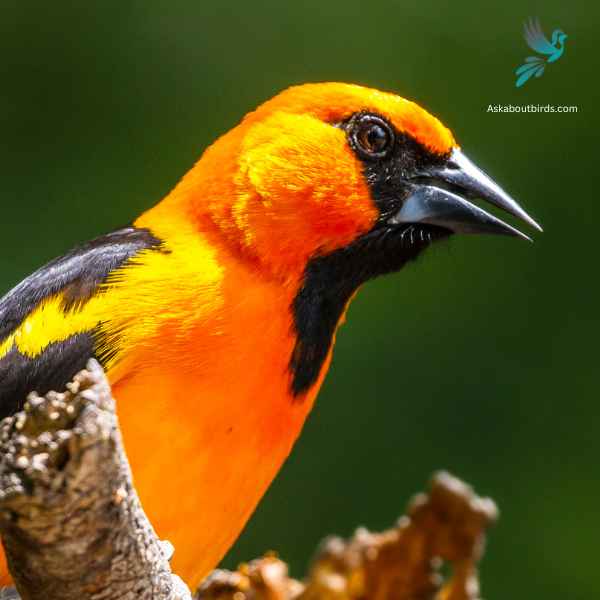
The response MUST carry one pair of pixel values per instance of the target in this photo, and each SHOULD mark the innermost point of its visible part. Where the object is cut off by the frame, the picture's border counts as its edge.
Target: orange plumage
(217, 333)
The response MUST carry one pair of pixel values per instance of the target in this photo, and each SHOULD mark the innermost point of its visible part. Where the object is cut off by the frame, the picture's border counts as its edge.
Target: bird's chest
(207, 431)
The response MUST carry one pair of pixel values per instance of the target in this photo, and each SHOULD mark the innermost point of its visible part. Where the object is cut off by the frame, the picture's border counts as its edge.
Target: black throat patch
(330, 280)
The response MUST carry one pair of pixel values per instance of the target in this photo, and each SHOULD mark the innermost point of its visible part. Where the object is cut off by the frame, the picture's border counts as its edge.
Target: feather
(525, 76)
(535, 38)
(529, 65)
(65, 285)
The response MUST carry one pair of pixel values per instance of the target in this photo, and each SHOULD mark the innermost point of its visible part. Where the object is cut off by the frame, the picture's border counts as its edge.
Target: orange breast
(207, 429)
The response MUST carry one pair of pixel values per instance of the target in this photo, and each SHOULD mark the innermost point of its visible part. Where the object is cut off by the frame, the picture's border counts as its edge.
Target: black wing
(77, 274)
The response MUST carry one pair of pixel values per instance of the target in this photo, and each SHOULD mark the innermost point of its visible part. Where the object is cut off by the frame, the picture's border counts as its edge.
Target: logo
(535, 66)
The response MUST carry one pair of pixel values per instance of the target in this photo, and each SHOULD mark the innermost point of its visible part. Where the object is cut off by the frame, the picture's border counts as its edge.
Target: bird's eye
(372, 136)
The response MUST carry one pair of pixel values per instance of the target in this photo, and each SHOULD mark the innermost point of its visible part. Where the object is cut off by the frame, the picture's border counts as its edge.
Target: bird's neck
(216, 192)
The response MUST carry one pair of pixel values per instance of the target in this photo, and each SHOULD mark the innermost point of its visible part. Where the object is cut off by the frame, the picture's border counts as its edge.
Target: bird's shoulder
(76, 274)
(45, 334)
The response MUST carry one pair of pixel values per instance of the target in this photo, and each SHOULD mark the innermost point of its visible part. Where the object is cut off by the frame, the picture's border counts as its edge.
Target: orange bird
(215, 313)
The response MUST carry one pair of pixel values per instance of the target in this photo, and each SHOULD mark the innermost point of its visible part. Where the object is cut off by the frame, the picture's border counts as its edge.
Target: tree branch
(70, 520)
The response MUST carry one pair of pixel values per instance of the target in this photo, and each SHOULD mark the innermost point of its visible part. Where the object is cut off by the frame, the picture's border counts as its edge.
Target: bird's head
(328, 185)
(335, 169)
(558, 37)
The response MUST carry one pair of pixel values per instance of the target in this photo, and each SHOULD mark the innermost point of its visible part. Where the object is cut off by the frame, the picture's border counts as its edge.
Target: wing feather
(535, 38)
(530, 64)
(76, 277)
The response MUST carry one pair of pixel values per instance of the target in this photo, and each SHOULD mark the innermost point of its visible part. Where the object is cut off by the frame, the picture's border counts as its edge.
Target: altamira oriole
(214, 314)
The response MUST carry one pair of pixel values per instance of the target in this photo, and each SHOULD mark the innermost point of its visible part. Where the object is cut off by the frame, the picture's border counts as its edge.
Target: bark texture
(71, 523)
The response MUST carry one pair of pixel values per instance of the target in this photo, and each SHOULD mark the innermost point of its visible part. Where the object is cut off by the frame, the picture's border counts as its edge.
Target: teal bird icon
(536, 40)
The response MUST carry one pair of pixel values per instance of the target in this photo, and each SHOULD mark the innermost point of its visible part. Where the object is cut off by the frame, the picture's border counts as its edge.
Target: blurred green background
(481, 358)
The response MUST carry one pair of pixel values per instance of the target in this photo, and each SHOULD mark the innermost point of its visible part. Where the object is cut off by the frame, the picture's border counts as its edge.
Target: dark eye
(372, 136)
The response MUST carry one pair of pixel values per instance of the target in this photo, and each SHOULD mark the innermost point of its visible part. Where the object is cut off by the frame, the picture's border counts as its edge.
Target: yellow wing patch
(129, 309)
(48, 323)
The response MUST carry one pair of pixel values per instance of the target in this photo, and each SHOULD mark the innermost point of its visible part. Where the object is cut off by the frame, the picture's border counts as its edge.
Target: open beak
(440, 196)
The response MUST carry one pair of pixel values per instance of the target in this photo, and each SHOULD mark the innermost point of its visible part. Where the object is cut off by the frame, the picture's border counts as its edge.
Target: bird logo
(536, 40)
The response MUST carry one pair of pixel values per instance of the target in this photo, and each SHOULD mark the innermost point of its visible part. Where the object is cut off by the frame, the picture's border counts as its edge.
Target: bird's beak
(440, 196)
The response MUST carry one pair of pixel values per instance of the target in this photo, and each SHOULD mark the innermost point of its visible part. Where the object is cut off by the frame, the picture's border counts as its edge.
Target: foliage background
(481, 359)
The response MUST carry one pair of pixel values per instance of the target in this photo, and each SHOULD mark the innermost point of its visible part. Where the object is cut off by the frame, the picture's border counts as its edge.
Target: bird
(537, 41)
(214, 314)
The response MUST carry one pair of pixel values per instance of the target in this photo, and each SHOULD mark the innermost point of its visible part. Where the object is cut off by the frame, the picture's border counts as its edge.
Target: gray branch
(70, 519)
